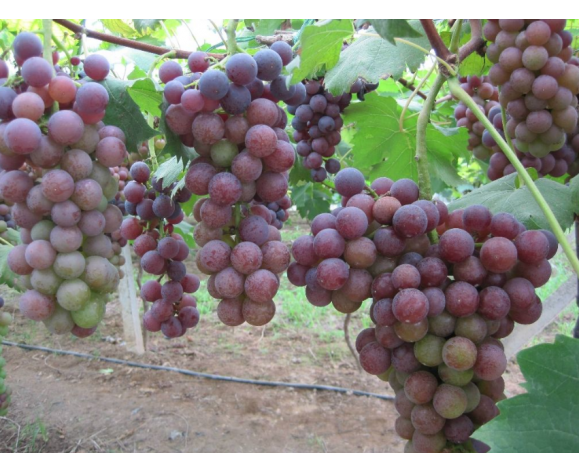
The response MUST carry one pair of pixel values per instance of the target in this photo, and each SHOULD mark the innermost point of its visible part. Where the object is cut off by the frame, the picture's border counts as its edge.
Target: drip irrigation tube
(223, 378)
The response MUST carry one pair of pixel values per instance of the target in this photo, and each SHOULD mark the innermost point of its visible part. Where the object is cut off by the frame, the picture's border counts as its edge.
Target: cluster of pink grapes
(439, 310)
(71, 242)
(161, 251)
(539, 81)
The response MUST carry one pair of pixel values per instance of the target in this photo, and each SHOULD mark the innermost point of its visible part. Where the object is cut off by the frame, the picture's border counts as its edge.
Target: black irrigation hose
(328, 388)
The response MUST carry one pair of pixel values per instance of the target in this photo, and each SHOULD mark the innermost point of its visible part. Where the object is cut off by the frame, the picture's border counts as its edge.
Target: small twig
(446, 98)
(18, 432)
(133, 44)
(406, 84)
(218, 31)
(411, 97)
(348, 342)
(476, 40)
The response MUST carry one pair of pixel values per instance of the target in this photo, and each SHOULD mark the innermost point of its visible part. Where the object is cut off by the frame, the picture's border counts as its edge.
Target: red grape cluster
(6, 221)
(439, 309)
(538, 86)
(162, 252)
(121, 174)
(486, 96)
(5, 321)
(69, 231)
(317, 123)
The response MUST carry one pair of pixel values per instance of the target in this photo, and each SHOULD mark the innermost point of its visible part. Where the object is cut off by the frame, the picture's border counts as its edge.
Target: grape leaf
(311, 200)
(502, 195)
(174, 146)
(574, 186)
(379, 144)
(123, 112)
(7, 277)
(146, 96)
(169, 171)
(186, 231)
(267, 27)
(390, 29)
(320, 47)
(552, 381)
(373, 58)
(119, 27)
(142, 59)
(143, 25)
(474, 65)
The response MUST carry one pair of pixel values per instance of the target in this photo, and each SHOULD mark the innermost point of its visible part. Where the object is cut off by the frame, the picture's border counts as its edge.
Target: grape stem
(372, 192)
(61, 47)
(218, 31)
(421, 155)
(504, 118)
(127, 43)
(455, 39)
(47, 31)
(348, 342)
(460, 94)
(411, 97)
(5, 242)
(231, 43)
(409, 86)
(168, 54)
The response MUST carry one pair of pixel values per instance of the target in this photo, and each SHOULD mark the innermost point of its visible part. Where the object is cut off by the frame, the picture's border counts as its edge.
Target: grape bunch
(5, 321)
(231, 93)
(486, 96)
(317, 123)
(121, 174)
(161, 251)
(6, 221)
(439, 310)
(69, 231)
(538, 87)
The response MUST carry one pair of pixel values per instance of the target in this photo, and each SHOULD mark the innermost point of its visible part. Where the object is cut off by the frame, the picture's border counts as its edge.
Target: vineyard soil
(63, 403)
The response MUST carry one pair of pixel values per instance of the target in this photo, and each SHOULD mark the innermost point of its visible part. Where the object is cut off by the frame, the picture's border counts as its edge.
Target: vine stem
(421, 150)
(61, 47)
(231, 41)
(5, 242)
(149, 48)
(460, 94)
(218, 31)
(47, 32)
(170, 54)
(455, 40)
(411, 97)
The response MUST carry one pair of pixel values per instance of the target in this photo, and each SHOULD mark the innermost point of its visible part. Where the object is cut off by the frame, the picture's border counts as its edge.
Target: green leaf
(311, 199)
(372, 59)
(146, 96)
(169, 171)
(7, 277)
(546, 419)
(123, 112)
(320, 48)
(142, 59)
(474, 65)
(174, 145)
(143, 25)
(267, 27)
(502, 195)
(119, 27)
(390, 29)
(574, 187)
(379, 143)
(185, 230)
(137, 73)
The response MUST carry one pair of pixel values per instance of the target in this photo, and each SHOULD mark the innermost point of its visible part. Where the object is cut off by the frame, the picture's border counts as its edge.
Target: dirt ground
(68, 404)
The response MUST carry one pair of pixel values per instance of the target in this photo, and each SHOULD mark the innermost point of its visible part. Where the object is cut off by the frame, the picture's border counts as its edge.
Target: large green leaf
(320, 48)
(146, 96)
(174, 146)
(119, 27)
(123, 112)
(503, 195)
(546, 419)
(372, 58)
(390, 29)
(380, 145)
(311, 200)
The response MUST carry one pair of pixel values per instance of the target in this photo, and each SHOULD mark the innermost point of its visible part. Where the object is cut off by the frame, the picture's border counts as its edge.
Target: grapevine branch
(409, 86)
(436, 41)
(476, 40)
(348, 342)
(460, 94)
(133, 44)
